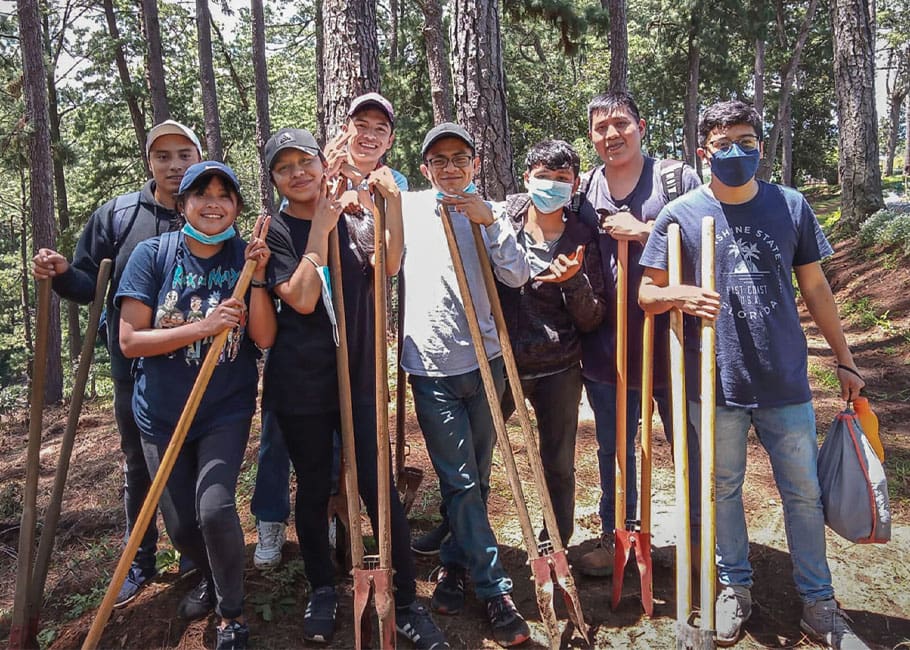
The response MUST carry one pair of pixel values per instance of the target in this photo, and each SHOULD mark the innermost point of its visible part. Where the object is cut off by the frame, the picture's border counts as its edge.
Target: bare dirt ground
(872, 582)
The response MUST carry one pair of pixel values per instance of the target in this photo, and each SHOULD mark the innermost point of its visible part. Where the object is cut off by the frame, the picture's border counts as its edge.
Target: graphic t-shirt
(300, 373)
(644, 203)
(761, 347)
(183, 294)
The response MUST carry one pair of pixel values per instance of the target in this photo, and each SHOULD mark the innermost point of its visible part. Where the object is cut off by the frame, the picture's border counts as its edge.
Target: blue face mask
(734, 167)
(548, 195)
(202, 238)
(470, 189)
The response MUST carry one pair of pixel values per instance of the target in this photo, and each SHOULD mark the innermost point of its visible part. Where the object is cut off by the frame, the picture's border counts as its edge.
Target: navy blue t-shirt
(187, 293)
(761, 347)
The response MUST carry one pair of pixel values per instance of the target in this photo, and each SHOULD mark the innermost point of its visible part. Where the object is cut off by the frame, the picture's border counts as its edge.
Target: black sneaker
(233, 636)
(448, 597)
(509, 628)
(135, 580)
(319, 618)
(430, 542)
(198, 602)
(418, 626)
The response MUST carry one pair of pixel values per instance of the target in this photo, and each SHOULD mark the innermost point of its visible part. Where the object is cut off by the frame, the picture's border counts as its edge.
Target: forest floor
(872, 581)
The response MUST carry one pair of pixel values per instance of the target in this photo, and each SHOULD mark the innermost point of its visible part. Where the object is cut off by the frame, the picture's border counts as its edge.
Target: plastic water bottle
(869, 422)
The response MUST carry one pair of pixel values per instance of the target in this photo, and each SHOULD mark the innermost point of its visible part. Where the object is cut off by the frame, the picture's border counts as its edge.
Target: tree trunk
(854, 88)
(787, 74)
(758, 77)
(263, 124)
(25, 300)
(690, 111)
(437, 61)
(907, 134)
(786, 154)
(320, 73)
(154, 69)
(619, 45)
(895, 103)
(393, 28)
(348, 72)
(210, 114)
(480, 92)
(41, 174)
(128, 92)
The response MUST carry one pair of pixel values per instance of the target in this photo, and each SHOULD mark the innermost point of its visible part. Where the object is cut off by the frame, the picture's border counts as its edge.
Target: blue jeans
(458, 429)
(788, 435)
(602, 398)
(271, 497)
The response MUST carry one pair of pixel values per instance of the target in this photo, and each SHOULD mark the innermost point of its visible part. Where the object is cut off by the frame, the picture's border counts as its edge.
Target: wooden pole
(622, 290)
(383, 480)
(647, 414)
(708, 401)
(164, 469)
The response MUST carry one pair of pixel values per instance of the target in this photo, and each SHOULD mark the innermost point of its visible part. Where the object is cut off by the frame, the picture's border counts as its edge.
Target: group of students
(553, 251)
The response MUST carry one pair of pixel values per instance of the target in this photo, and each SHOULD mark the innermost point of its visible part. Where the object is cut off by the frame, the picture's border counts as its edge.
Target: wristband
(306, 256)
(258, 284)
(841, 366)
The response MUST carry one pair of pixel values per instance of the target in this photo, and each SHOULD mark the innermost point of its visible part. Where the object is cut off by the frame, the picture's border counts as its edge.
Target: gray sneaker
(827, 623)
(732, 609)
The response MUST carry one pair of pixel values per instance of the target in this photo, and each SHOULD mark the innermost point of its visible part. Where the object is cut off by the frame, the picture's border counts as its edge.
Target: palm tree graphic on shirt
(745, 255)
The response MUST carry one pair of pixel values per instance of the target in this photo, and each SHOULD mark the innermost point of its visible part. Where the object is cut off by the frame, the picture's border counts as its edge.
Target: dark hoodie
(545, 319)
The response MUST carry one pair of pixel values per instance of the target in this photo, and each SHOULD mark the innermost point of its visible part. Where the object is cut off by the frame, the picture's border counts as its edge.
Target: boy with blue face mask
(763, 233)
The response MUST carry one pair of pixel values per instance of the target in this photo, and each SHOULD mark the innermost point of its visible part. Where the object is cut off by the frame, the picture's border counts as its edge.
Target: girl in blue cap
(175, 297)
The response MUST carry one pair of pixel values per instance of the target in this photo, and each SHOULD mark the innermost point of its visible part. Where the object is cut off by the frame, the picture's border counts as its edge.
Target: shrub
(889, 227)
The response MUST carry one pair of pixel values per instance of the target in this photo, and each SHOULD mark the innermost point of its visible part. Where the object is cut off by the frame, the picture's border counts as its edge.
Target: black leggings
(199, 507)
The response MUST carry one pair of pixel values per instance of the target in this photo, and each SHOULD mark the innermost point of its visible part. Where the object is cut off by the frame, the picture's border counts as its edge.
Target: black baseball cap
(446, 130)
(299, 139)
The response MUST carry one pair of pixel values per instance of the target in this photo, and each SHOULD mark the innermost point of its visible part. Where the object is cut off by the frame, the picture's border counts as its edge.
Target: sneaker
(732, 608)
(418, 626)
(509, 628)
(233, 636)
(828, 624)
(319, 618)
(430, 542)
(198, 602)
(599, 562)
(448, 596)
(135, 580)
(272, 535)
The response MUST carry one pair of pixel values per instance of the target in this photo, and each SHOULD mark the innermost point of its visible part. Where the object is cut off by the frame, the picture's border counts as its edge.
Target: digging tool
(22, 633)
(549, 557)
(408, 479)
(164, 470)
(52, 515)
(642, 538)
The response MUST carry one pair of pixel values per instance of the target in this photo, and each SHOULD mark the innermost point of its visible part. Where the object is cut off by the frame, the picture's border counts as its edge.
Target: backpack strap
(123, 216)
(583, 185)
(671, 173)
(166, 257)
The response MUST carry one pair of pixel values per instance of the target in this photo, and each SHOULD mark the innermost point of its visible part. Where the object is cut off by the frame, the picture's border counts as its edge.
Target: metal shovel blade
(548, 565)
(409, 480)
(379, 582)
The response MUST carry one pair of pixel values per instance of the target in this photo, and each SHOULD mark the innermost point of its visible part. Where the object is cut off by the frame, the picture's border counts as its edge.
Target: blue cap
(206, 168)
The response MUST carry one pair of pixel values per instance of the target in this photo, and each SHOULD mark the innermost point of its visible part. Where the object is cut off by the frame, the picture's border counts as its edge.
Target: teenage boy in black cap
(113, 231)
(301, 385)
(449, 397)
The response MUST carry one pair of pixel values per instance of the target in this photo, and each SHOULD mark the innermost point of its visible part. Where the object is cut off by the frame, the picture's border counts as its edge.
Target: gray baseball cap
(374, 100)
(446, 130)
(299, 139)
(170, 127)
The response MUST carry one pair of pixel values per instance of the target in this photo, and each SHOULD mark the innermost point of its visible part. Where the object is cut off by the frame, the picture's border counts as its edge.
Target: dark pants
(199, 507)
(271, 497)
(309, 439)
(555, 399)
(135, 473)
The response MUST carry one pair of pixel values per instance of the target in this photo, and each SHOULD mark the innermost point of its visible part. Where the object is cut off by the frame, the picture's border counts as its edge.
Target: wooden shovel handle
(622, 345)
(383, 479)
(708, 400)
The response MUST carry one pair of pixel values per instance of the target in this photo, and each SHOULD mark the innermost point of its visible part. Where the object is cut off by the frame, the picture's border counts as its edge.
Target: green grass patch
(823, 376)
(825, 202)
(866, 314)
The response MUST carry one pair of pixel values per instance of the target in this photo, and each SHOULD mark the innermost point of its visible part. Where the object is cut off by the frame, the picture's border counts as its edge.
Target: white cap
(170, 127)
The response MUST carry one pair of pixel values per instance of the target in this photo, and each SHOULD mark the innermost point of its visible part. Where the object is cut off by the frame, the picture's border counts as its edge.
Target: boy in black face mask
(763, 233)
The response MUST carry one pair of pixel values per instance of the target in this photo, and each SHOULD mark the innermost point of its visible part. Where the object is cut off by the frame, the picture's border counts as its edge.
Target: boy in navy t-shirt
(763, 233)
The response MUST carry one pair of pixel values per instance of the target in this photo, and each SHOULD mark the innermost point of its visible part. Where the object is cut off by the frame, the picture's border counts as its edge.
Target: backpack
(123, 216)
(671, 173)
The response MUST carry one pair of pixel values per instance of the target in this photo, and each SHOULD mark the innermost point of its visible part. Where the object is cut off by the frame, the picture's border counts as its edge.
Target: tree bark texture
(907, 133)
(154, 67)
(758, 77)
(854, 88)
(619, 45)
(210, 113)
(437, 61)
(480, 94)
(348, 72)
(41, 174)
(320, 73)
(394, 9)
(786, 151)
(787, 75)
(690, 111)
(897, 92)
(129, 93)
(263, 123)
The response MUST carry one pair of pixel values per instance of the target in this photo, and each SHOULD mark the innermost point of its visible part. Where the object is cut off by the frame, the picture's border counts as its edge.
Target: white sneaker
(732, 609)
(272, 535)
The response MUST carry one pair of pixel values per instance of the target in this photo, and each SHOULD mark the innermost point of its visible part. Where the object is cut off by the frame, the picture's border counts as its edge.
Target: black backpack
(671, 173)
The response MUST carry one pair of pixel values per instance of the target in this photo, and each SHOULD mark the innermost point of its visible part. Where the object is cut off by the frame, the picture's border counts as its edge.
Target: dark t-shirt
(300, 373)
(761, 347)
(184, 294)
(599, 347)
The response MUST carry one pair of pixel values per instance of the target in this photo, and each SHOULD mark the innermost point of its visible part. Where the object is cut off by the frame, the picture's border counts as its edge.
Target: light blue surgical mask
(470, 189)
(202, 238)
(549, 195)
